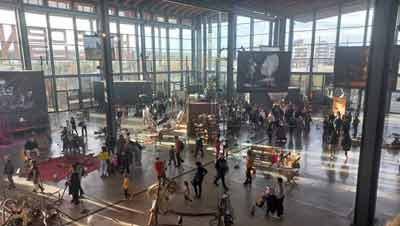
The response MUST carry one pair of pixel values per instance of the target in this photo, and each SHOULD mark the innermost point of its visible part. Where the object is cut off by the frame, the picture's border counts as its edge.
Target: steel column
(194, 50)
(181, 55)
(291, 26)
(23, 36)
(168, 61)
(119, 49)
(218, 62)
(276, 33)
(143, 48)
(231, 53)
(205, 50)
(199, 52)
(379, 68)
(50, 43)
(78, 64)
(282, 33)
(339, 25)
(104, 30)
(137, 42)
(153, 50)
(311, 75)
(271, 33)
(251, 34)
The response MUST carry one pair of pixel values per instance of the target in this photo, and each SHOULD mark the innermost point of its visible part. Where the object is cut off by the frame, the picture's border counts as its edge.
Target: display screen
(263, 71)
(351, 67)
(93, 49)
(23, 99)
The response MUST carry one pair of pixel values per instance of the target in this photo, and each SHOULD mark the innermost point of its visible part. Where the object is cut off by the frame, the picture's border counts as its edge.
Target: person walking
(334, 139)
(73, 125)
(81, 172)
(125, 161)
(346, 143)
(356, 122)
(172, 157)
(221, 166)
(199, 147)
(137, 151)
(75, 185)
(159, 167)
(104, 157)
(35, 175)
(179, 146)
(9, 172)
(249, 167)
(279, 191)
(197, 181)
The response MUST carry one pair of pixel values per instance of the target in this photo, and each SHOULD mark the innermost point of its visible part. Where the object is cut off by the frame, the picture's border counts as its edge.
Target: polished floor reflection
(324, 192)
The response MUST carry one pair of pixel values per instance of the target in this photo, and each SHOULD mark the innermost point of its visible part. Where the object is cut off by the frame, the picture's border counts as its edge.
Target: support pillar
(291, 26)
(104, 31)
(231, 53)
(380, 60)
(51, 55)
(218, 63)
(78, 64)
(181, 56)
(168, 61)
(282, 33)
(251, 34)
(199, 53)
(275, 42)
(205, 51)
(154, 65)
(23, 37)
(194, 49)
(271, 33)
(143, 48)
(311, 75)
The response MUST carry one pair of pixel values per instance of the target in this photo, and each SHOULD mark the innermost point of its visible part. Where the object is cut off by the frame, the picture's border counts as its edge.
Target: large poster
(339, 105)
(351, 67)
(263, 71)
(23, 103)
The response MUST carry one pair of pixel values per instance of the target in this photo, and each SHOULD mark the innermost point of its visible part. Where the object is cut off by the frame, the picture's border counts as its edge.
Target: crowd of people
(336, 128)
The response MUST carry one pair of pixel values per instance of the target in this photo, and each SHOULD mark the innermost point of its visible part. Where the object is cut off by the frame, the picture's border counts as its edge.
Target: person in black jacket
(73, 125)
(346, 143)
(356, 122)
(74, 185)
(199, 147)
(198, 179)
(222, 168)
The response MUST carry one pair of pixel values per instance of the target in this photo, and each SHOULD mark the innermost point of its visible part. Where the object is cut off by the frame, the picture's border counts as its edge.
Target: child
(125, 186)
(172, 155)
(186, 192)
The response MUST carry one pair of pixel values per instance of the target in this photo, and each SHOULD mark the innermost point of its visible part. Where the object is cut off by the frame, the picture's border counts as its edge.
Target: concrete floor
(324, 193)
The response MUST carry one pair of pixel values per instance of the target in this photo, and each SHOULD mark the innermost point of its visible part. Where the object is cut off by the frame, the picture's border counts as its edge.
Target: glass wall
(10, 57)
(56, 45)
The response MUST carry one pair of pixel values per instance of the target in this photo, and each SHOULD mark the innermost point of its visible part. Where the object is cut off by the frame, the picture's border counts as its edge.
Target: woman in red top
(159, 167)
